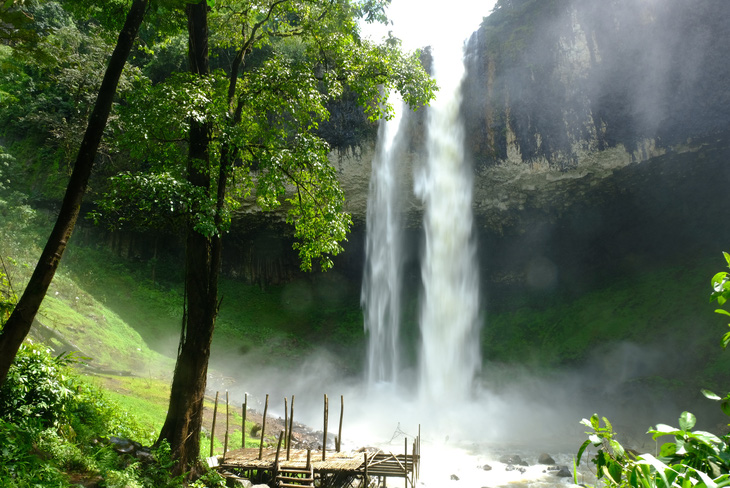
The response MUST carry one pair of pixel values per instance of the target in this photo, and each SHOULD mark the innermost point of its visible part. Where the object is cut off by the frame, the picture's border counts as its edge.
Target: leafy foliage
(47, 94)
(695, 458)
(289, 59)
(38, 388)
(721, 294)
(54, 429)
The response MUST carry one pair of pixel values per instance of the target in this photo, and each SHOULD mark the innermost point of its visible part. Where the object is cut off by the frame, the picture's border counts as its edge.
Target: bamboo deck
(289, 467)
(365, 465)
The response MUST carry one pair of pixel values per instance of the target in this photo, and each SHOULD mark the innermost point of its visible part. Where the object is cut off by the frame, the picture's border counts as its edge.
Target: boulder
(545, 459)
(511, 459)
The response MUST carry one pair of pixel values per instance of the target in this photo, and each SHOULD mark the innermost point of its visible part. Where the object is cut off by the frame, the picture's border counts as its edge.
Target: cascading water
(449, 357)
(449, 318)
(381, 288)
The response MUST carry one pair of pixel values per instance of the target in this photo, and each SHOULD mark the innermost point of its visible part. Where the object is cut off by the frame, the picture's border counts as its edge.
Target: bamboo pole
(342, 413)
(418, 466)
(212, 427)
(405, 460)
(324, 436)
(276, 459)
(225, 439)
(263, 428)
(309, 459)
(413, 464)
(286, 420)
(244, 407)
(291, 428)
(365, 462)
(278, 448)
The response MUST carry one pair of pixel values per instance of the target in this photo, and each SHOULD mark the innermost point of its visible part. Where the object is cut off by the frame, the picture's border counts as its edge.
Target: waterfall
(449, 302)
(449, 307)
(381, 289)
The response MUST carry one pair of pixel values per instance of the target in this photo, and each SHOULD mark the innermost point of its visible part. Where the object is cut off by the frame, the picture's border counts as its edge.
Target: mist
(625, 82)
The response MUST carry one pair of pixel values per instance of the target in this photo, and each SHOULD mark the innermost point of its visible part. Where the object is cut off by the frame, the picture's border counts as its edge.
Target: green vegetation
(696, 458)
(721, 294)
(58, 430)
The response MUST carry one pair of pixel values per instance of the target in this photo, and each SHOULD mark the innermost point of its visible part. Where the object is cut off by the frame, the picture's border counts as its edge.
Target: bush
(55, 428)
(38, 388)
(695, 459)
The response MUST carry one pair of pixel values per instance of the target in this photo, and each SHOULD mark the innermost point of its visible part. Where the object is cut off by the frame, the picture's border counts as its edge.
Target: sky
(419, 23)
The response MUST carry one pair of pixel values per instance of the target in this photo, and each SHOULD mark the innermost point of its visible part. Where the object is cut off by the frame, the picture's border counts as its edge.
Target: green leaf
(706, 437)
(582, 449)
(607, 472)
(617, 448)
(718, 280)
(725, 340)
(668, 449)
(687, 421)
(663, 429)
(709, 482)
(720, 310)
(725, 406)
(727, 257)
(615, 471)
(659, 466)
(710, 395)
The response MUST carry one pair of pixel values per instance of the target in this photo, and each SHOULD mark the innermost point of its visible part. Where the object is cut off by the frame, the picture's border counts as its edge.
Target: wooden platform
(286, 467)
(363, 464)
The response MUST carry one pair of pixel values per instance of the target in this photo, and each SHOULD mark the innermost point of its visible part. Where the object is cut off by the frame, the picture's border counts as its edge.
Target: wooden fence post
(276, 459)
(324, 437)
(263, 428)
(342, 413)
(225, 439)
(244, 407)
(405, 460)
(286, 420)
(212, 427)
(291, 427)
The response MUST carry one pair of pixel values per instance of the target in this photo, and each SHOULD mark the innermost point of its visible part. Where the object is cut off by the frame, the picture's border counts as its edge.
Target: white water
(449, 318)
(449, 303)
(381, 288)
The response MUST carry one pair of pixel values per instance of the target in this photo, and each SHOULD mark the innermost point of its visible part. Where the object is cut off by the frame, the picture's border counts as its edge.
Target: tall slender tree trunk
(19, 323)
(202, 263)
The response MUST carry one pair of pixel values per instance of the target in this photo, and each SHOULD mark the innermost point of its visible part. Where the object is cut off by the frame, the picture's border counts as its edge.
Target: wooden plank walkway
(352, 464)
(289, 468)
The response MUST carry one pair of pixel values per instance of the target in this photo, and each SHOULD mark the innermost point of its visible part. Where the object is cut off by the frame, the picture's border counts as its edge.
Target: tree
(251, 129)
(19, 323)
(202, 263)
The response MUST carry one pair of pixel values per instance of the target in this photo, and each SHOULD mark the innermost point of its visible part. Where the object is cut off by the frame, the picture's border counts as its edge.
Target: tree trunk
(202, 263)
(20, 321)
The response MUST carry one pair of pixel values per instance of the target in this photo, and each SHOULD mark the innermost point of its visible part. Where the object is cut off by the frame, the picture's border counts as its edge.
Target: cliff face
(552, 81)
(597, 129)
(559, 91)
(561, 94)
